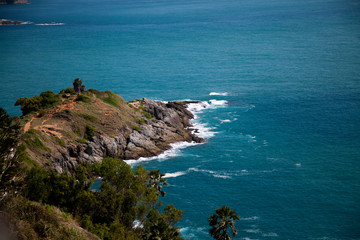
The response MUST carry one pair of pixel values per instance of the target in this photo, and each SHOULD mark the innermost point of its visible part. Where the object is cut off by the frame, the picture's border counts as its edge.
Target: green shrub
(83, 98)
(46, 99)
(83, 141)
(89, 132)
(148, 116)
(88, 117)
(68, 90)
(136, 128)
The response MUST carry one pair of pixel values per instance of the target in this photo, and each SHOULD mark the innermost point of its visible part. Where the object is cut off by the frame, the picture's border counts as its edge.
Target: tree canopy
(10, 153)
(223, 220)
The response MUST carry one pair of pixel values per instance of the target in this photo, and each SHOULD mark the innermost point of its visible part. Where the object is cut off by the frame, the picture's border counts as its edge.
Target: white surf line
(199, 129)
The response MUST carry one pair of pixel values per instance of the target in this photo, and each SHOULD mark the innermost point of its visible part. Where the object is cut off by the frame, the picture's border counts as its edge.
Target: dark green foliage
(45, 100)
(37, 188)
(124, 196)
(89, 132)
(136, 128)
(221, 221)
(83, 98)
(11, 155)
(157, 227)
(69, 90)
(156, 181)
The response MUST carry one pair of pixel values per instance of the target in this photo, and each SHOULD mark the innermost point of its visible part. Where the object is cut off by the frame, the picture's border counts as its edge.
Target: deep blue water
(287, 156)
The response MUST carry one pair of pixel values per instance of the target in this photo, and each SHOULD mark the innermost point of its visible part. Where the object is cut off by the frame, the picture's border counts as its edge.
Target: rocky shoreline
(171, 125)
(128, 131)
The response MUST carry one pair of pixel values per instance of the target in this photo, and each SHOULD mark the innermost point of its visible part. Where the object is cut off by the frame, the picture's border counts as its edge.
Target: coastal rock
(140, 128)
(10, 22)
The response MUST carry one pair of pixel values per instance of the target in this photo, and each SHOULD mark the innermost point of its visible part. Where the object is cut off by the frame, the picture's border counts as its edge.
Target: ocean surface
(279, 82)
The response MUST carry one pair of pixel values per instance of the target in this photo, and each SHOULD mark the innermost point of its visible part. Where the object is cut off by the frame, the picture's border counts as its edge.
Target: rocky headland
(2, 2)
(10, 22)
(86, 128)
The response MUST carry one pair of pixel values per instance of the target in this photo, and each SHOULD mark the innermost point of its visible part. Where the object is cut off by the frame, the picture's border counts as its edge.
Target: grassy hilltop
(66, 129)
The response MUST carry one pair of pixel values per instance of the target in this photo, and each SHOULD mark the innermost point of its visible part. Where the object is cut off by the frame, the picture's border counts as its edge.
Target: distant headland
(2, 2)
(10, 22)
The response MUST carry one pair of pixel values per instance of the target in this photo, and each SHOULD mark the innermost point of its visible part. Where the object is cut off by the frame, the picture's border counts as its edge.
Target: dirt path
(62, 106)
(28, 124)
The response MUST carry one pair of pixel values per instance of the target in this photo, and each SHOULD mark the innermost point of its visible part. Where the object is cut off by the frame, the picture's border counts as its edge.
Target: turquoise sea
(280, 80)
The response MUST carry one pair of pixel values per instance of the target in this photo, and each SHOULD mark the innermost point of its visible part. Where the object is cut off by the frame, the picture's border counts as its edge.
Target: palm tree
(223, 219)
(156, 181)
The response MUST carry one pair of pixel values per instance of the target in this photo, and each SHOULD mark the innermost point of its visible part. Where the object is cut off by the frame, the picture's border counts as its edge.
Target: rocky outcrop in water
(10, 22)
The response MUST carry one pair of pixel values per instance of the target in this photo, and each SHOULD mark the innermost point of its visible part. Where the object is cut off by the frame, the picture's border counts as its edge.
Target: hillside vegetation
(63, 144)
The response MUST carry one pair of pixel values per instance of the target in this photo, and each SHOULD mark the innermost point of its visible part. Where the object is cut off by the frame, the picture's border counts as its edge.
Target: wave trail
(50, 24)
(219, 94)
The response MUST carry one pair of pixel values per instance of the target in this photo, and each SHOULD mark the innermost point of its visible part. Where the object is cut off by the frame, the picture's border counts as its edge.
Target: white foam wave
(250, 218)
(175, 174)
(172, 152)
(225, 121)
(270, 234)
(201, 129)
(221, 176)
(215, 102)
(298, 164)
(219, 94)
(251, 138)
(252, 230)
(50, 24)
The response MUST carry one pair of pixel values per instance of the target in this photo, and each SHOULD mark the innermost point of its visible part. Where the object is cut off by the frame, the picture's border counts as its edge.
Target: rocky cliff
(81, 132)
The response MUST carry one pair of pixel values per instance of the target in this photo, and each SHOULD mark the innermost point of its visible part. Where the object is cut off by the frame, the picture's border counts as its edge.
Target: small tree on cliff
(221, 221)
(78, 87)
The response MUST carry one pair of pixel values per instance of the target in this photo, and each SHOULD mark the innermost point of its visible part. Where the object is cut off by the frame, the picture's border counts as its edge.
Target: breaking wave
(219, 94)
(172, 152)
